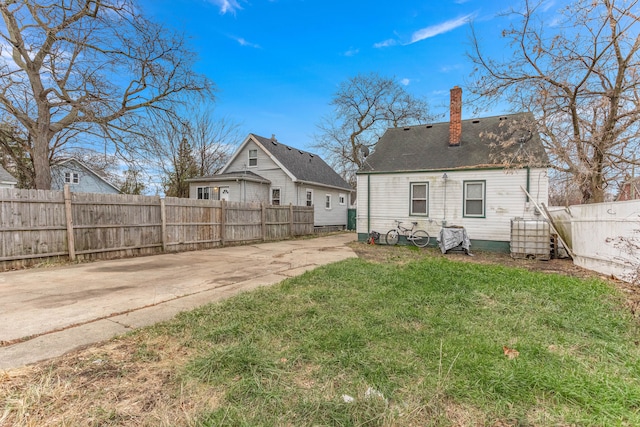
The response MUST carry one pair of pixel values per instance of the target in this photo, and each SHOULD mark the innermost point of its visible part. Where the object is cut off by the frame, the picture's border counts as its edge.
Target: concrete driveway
(47, 312)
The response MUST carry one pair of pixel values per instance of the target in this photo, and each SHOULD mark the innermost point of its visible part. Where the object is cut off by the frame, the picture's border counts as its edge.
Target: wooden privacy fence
(38, 224)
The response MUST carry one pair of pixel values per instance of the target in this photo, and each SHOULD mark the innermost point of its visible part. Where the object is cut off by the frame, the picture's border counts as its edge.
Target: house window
(71, 178)
(474, 199)
(309, 198)
(327, 201)
(275, 196)
(342, 199)
(420, 198)
(203, 193)
(253, 157)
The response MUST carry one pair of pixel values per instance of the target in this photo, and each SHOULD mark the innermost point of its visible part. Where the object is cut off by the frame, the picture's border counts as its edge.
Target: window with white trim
(327, 201)
(71, 178)
(275, 196)
(203, 193)
(474, 199)
(309, 197)
(419, 198)
(342, 199)
(253, 157)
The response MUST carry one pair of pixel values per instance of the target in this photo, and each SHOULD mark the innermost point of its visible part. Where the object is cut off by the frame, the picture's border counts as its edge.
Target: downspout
(368, 203)
(528, 182)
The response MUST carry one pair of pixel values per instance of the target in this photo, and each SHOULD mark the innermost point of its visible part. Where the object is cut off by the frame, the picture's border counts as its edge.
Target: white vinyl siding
(382, 198)
(474, 199)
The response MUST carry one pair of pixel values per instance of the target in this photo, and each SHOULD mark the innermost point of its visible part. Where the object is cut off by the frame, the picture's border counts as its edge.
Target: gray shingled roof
(303, 165)
(426, 147)
(6, 176)
(245, 175)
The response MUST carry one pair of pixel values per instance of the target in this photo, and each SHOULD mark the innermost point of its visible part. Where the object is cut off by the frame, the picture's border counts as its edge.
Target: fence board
(33, 225)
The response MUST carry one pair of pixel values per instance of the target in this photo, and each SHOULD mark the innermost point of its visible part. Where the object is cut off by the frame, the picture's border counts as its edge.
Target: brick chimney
(455, 120)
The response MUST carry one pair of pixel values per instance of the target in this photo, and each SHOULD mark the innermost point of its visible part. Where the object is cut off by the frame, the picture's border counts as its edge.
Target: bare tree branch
(88, 65)
(581, 81)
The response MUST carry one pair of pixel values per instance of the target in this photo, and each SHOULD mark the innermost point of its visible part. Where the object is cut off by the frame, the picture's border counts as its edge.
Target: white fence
(604, 237)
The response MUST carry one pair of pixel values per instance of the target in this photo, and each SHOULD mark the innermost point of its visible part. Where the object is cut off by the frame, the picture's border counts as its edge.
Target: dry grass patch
(131, 381)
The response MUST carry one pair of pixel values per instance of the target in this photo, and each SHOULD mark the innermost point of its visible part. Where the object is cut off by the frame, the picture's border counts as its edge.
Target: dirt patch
(566, 267)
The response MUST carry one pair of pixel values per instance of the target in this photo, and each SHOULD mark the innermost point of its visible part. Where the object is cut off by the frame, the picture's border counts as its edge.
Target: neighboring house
(458, 173)
(80, 178)
(265, 170)
(6, 179)
(629, 190)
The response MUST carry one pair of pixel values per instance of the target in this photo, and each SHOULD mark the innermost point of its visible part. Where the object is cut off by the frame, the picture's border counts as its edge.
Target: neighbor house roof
(300, 165)
(484, 143)
(6, 177)
(243, 176)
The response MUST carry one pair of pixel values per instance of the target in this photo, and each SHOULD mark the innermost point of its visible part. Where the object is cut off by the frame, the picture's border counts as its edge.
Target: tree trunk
(40, 154)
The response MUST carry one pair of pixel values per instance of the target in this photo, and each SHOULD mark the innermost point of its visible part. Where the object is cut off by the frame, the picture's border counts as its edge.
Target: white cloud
(227, 6)
(386, 43)
(405, 81)
(441, 28)
(351, 52)
(244, 42)
(548, 5)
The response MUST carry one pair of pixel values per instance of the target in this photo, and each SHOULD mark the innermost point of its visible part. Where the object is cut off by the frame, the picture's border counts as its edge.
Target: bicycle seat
(414, 222)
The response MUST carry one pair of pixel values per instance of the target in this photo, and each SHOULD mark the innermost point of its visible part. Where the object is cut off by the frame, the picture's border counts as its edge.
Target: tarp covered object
(452, 237)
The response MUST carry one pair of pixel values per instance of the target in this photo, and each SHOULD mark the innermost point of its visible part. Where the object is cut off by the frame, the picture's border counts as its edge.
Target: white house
(6, 179)
(80, 178)
(468, 173)
(265, 170)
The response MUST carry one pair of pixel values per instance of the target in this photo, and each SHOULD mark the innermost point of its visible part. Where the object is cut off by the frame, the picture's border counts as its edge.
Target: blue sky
(277, 63)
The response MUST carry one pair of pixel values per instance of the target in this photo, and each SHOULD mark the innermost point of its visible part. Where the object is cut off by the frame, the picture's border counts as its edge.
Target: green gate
(351, 219)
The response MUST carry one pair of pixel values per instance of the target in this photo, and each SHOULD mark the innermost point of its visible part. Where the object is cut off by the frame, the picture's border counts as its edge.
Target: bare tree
(181, 148)
(580, 77)
(364, 107)
(72, 69)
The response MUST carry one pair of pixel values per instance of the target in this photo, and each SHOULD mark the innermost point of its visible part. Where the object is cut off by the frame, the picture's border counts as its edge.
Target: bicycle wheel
(392, 237)
(420, 238)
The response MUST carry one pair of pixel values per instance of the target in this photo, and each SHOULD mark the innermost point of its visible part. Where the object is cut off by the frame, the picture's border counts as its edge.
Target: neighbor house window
(253, 157)
(309, 198)
(327, 201)
(419, 198)
(342, 199)
(203, 193)
(275, 196)
(71, 178)
(474, 199)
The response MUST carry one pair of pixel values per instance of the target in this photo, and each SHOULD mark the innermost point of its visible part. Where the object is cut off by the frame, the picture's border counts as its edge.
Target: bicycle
(420, 238)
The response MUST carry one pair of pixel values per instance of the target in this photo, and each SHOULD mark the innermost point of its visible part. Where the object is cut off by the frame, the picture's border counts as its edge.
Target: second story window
(71, 178)
(253, 157)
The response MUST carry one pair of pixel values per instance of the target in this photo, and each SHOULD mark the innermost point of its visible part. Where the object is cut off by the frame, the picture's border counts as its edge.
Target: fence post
(163, 218)
(223, 217)
(69, 217)
(291, 234)
(263, 221)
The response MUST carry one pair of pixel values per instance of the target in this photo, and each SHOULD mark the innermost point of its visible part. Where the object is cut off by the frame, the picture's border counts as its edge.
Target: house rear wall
(383, 198)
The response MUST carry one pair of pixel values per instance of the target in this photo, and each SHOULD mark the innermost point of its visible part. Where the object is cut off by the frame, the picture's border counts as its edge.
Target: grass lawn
(428, 342)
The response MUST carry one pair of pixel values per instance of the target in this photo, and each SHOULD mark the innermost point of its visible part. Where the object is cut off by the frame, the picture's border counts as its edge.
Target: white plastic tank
(530, 238)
